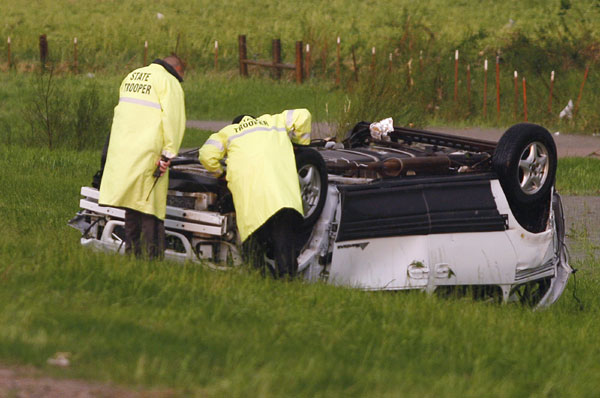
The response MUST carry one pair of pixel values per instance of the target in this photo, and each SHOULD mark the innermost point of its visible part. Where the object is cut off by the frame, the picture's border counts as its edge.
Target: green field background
(533, 38)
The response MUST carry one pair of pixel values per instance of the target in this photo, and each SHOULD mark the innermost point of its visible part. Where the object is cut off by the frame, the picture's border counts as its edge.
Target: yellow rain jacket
(261, 167)
(148, 121)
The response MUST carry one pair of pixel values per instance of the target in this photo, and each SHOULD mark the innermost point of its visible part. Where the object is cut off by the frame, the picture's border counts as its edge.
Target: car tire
(312, 175)
(525, 161)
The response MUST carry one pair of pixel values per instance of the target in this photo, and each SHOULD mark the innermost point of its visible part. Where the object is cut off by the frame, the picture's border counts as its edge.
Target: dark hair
(239, 118)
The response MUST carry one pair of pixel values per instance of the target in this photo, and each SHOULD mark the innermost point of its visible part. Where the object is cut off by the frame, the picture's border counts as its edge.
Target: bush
(65, 113)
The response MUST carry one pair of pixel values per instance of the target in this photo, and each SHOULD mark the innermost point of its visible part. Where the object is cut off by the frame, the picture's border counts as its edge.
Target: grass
(578, 176)
(193, 27)
(206, 333)
(207, 97)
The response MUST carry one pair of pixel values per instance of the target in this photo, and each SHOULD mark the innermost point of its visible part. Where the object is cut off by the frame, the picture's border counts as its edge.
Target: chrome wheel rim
(533, 167)
(310, 188)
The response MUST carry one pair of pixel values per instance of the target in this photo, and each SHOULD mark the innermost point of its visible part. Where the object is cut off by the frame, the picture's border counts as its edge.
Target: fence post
(75, 61)
(307, 62)
(299, 63)
(550, 96)
(485, 79)
(390, 64)
(516, 106)
(8, 55)
(145, 52)
(338, 78)
(242, 52)
(373, 59)
(276, 51)
(456, 76)
(43, 50)
(409, 79)
(525, 98)
(216, 55)
(498, 88)
(469, 87)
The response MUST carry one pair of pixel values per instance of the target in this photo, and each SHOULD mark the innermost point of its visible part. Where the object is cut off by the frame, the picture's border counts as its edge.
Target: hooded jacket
(148, 121)
(261, 167)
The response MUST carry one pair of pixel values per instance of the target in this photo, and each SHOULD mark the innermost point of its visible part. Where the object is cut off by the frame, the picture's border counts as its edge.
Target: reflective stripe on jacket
(148, 121)
(261, 167)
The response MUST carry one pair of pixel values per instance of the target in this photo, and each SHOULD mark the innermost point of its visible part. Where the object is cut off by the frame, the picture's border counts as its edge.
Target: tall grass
(206, 333)
(578, 176)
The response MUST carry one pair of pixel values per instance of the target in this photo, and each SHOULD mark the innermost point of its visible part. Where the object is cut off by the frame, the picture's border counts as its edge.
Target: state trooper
(147, 129)
(261, 175)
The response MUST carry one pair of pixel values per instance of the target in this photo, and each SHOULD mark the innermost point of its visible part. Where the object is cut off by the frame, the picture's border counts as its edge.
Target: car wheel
(525, 161)
(312, 175)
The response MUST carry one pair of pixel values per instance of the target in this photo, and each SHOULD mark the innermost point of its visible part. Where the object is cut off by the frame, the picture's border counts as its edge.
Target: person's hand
(163, 165)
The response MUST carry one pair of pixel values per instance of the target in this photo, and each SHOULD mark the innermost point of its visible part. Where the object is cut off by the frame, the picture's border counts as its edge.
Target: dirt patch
(28, 382)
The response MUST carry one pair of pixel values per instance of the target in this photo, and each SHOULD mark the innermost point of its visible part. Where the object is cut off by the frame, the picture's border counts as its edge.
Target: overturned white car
(410, 209)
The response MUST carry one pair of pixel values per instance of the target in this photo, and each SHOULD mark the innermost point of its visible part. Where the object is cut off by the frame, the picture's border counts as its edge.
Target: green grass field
(207, 333)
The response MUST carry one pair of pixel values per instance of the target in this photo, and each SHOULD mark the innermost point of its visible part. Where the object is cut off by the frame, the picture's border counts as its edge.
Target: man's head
(238, 118)
(176, 63)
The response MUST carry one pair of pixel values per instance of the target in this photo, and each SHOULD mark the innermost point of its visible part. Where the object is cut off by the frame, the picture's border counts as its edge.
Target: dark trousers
(144, 235)
(277, 238)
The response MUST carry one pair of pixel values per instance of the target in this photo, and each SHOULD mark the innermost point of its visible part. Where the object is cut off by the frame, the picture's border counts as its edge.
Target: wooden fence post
(8, 54)
(145, 52)
(485, 79)
(216, 55)
(299, 63)
(516, 105)
(338, 71)
(469, 86)
(75, 61)
(390, 63)
(550, 96)
(372, 59)
(242, 52)
(409, 79)
(43, 50)
(456, 76)
(276, 53)
(498, 88)
(525, 98)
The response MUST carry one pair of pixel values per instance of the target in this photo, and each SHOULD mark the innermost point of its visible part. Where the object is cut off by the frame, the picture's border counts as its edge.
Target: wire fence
(458, 83)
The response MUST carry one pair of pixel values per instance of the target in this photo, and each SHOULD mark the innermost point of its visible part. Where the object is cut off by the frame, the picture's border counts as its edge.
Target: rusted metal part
(393, 167)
